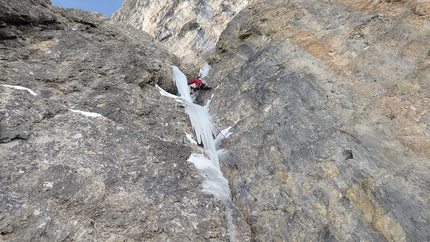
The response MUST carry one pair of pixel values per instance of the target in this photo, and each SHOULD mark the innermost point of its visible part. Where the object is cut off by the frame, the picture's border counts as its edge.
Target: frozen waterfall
(209, 167)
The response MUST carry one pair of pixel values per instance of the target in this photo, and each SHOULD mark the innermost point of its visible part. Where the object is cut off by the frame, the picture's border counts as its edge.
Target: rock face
(188, 28)
(122, 176)
(330, 108)
(328, 102)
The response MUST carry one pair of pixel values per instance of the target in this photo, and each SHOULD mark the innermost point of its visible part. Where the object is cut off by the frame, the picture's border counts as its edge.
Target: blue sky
(107, 7)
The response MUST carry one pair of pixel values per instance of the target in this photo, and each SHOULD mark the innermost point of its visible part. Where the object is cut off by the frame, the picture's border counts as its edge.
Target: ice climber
(197, 84)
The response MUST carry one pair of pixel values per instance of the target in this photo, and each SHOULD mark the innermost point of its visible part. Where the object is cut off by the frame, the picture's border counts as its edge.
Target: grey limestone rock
(329, 107)
(328, 103)
(188, 28)
(120, 176)
(26, 11)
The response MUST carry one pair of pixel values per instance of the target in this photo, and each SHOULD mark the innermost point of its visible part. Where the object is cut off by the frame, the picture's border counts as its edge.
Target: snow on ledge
(189, 137)
(21, 88)
(89, 114)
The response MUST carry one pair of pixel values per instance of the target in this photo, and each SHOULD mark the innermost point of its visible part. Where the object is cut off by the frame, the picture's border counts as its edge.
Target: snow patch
(21, 88)
(89, 114)
(189, 137)
(48, 184)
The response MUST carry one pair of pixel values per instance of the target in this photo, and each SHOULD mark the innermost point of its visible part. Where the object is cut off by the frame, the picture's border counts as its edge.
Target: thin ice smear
(88, 114)
(21, 88)
(209, 167)
(204, 72)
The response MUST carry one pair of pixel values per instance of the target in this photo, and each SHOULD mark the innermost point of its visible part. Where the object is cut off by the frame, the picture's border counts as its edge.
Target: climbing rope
(239, 171)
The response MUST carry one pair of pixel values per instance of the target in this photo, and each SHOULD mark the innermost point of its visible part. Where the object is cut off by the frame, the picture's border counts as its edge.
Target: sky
(107, 7)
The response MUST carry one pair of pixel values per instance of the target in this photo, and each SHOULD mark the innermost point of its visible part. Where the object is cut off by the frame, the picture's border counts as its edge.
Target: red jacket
(197, 82)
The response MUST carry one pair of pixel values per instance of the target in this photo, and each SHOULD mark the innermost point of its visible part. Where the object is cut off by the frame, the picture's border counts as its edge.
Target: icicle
(214, 182)
(180, 80)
